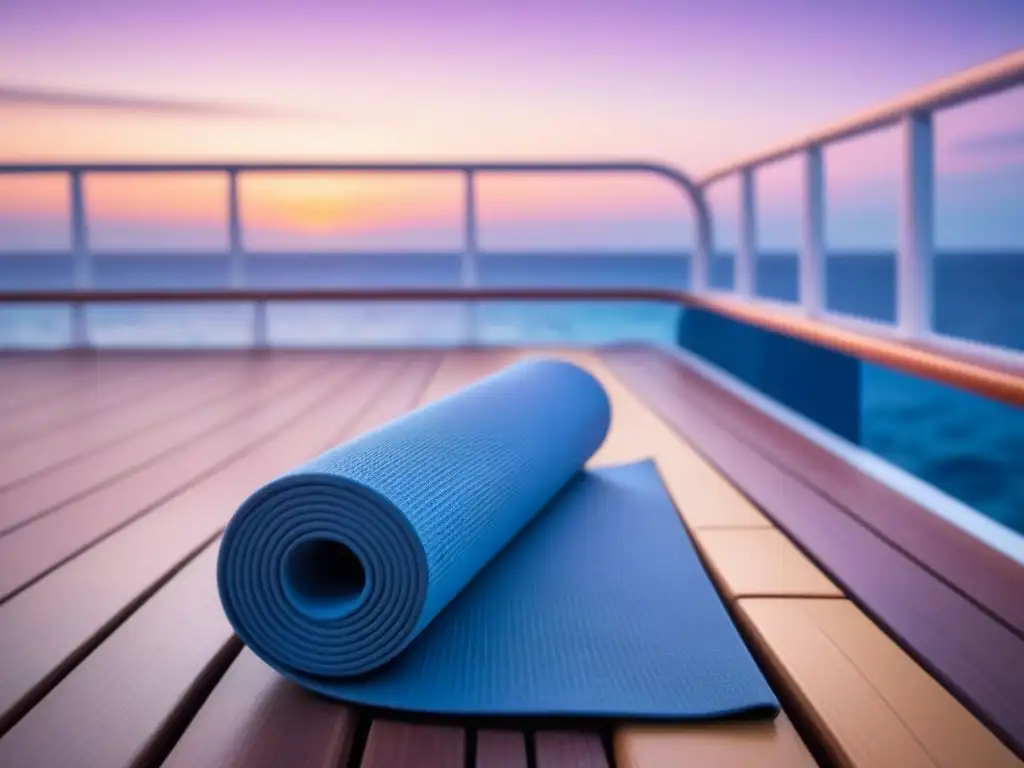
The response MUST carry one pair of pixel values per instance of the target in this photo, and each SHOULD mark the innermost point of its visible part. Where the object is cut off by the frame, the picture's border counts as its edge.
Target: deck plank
(394, 744)
(991, 579)
(774, 744)
(702, 495)
(255, 718)
(969, 651)
(85, 600)
(752, 562)
(27, 381)
(461, 367)
(871, 702)
(99, 468)
(61, 445)
(707, 502)
(224, 727)
(51, 625)
(500, 749)
(112, 709)
(260, 411)
(95, 395)
(569, 749)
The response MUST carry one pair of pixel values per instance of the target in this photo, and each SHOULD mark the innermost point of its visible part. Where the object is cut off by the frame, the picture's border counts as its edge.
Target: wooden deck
(892, 638)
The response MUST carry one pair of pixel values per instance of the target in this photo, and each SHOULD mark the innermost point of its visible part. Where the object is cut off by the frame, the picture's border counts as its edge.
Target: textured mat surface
(457, 561)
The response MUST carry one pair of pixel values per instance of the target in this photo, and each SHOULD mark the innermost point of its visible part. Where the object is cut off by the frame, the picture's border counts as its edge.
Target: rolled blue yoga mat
(460, 561)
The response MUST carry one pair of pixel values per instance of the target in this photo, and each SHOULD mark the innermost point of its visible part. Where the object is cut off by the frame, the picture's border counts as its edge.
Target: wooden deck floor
(892, 638)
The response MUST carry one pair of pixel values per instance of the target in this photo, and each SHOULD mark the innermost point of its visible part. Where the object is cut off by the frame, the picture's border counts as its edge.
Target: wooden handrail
(1004, 383)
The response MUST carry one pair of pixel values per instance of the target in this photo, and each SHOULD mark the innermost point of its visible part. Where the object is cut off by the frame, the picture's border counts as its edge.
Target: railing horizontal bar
(998, 380)
(220, 254)
(402, 166)
(858, 324)
(1003, 358)
(976, 82)
(336, 294)
(341, 254)
(40, 253)
(624, 253)
(1009, 360)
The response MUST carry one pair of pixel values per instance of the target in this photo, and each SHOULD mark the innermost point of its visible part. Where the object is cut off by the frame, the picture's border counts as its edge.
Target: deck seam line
(842, 652)
(868, 463)
(840, 507)
(162, 456)
(67, 665)
(21, 708)
(107, 443)
(955, 690)
(133, 390)
(154, 506)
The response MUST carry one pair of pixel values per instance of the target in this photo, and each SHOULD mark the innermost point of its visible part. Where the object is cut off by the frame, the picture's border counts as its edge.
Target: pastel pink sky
(692, 83)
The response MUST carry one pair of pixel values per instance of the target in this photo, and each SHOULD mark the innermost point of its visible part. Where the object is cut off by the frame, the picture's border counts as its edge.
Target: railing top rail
(397, 166)
(981, 80)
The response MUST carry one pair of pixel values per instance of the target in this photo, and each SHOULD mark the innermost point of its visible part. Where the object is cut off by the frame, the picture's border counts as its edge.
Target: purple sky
(692, 83)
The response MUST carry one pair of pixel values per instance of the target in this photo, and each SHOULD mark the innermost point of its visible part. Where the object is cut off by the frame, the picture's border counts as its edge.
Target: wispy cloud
(85, 100)
(995, 141)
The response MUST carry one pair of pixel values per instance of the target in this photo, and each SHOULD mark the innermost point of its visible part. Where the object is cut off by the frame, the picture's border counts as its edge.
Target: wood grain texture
(95, 395)
(500, 749)
(30, 380)
(58, 446)
(970, 652)
(461, 367)
(261, 411)
(111, 709)
(988, 577)
(774, 744)
(702, 495)
(569, 749)
(255, 718)
(749, 562)
(395, 745)
(871, 703)
(75, 480)
(50, 625)
(706, 500)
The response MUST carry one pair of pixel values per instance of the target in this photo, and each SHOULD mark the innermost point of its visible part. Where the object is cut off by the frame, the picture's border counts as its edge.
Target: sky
(691, 83)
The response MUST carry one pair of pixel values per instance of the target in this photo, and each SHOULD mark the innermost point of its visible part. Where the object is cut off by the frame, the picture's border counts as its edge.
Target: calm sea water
(971, 448)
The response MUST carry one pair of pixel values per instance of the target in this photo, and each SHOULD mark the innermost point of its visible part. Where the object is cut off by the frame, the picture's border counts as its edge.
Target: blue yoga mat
(459, 561)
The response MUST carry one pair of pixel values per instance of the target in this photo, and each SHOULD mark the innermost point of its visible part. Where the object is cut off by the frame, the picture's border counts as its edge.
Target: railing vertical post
(470, 249)
(81, 260)
(914, 261)
(236, 257)
(259, 325)
(700, 266)
(812, 253)
(743, 266)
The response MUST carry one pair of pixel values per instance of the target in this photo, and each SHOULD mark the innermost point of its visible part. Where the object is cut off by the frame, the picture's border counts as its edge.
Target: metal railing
(915, 253)
(82, 254)
(916, 248)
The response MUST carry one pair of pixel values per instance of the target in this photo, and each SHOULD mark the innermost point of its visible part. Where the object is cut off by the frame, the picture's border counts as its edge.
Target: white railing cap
(975, 82)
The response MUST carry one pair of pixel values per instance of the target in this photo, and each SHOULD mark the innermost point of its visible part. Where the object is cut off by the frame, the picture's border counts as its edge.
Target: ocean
(969, 447)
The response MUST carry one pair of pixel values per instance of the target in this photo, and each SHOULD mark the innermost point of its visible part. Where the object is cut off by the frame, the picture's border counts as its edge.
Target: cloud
(993, 142)
(70, 99)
